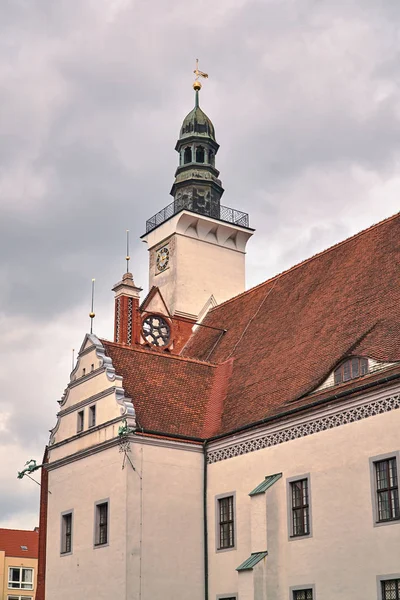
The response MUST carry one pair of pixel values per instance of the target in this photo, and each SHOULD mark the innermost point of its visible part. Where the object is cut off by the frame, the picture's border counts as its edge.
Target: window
(306, 594)
(350, 369)
(387, 491)
(81, 421)
(66, 533)
(83, 372)
(390, 589)
(211, 157)
(200, 154)
(226, 525)
(20, 578)
(300, 507)
(19, 598)
(101, 524)
(92, 416)
(187, 156)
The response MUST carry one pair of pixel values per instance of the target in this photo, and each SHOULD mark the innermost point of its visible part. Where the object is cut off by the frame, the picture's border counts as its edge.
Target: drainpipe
(205, 522)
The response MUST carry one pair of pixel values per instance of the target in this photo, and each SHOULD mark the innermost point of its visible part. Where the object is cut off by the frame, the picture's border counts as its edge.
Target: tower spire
(197, 187)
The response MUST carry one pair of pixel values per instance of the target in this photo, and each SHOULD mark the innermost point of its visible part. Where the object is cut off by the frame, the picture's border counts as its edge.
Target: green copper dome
(197, 123)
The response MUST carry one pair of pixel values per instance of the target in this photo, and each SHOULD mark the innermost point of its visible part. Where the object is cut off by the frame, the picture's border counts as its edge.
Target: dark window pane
(300, 507)
(391, 589)
(303, 595)
(387, 490)
(346, 371)
(354, 368)
(226, 524)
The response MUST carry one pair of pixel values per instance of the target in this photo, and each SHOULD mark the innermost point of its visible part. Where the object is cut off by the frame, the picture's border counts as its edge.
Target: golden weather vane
(198, 73)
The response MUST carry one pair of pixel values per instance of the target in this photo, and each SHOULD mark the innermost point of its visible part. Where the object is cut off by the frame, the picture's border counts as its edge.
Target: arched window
(211, 157)
(187, 157)
(350, 369)
(200, 154)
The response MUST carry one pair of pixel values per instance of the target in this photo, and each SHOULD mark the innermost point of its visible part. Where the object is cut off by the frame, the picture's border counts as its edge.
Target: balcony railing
(222, 213)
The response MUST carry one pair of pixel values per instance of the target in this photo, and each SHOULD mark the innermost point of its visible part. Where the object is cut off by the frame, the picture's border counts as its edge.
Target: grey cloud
(305, 99)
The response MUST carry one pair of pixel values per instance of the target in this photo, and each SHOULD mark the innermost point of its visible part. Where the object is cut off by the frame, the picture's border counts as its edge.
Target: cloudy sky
(304, 95)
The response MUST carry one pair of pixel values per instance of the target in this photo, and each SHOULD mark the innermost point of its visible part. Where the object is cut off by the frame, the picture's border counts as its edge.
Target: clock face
(162, 258)
(156, 331)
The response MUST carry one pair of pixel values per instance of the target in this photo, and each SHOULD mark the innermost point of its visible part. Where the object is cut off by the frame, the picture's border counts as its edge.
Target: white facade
(206, 258)
(155, 546)
(346, 552)
(152, 537)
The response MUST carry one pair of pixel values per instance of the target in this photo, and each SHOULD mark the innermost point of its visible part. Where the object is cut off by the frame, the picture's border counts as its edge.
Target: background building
(231, 443)
(18, 564)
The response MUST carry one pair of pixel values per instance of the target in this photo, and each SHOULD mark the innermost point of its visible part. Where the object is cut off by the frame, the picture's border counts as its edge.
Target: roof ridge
(159, 354)
(306, 260)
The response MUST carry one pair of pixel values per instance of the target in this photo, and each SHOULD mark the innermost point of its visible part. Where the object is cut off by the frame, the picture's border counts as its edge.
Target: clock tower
(197, 245)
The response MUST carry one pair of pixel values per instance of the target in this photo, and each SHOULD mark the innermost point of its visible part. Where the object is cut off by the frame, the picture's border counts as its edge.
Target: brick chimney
(127, 323)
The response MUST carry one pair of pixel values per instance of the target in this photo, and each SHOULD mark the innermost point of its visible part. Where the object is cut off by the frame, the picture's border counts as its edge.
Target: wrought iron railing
(226, 214)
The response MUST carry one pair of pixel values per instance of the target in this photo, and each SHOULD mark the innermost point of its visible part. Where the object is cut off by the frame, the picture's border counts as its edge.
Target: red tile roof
(286, 335)
(11, 541)
(170, 393)
(283, 338)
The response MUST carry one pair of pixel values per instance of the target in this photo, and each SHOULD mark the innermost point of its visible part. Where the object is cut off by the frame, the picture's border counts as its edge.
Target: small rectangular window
(20, 578)
(19, 598)
(92, 416)
(306, 594)
(391, 589)
(226, 523)
(66, 533)
(101, 524)
(81, 421)
(387, 490)
(300, 507)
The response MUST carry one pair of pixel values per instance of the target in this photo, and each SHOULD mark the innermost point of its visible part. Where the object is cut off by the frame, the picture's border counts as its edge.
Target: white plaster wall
(207, 257)
(203, 269)
(88, 572)
(346, 552)
(171, 553)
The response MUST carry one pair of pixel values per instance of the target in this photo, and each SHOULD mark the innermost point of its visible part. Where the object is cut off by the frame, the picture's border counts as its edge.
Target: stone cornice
(309, 423)
(133, 439)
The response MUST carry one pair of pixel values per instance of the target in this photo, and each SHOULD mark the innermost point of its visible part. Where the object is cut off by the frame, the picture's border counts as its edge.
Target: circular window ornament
(156, 331)
(162, 259)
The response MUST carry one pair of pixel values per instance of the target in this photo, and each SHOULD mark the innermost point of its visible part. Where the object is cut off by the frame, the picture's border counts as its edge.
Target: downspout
(205, 522)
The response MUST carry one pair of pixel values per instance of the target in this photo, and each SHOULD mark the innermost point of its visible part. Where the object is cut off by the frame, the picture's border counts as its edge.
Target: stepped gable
(286, 335)
(12, 541)
(170, 393)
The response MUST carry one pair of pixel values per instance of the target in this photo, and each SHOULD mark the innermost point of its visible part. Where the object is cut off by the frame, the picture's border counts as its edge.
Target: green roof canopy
(251, 562)
(264, 485)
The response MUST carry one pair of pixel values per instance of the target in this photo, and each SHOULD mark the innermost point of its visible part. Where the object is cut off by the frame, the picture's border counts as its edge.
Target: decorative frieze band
(349, 415)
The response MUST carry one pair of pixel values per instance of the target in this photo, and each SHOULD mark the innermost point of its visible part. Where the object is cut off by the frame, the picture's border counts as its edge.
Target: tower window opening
(187, 157)
(211, 157)
(200, 154)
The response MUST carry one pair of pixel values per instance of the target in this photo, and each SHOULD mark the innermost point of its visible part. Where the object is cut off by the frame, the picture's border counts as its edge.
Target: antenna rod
(127, 251)
(73, 358)
(92, 314)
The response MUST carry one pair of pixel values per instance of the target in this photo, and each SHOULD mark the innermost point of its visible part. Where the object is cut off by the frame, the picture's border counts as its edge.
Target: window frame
(381, 579)
(218, 524)
(63, 533)
(302, 588)
(374, 488)
(291, 535)
(96, 531)
(92, 416)
(18, 597)
(340, 367)
(79, 428)
(21, 568)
